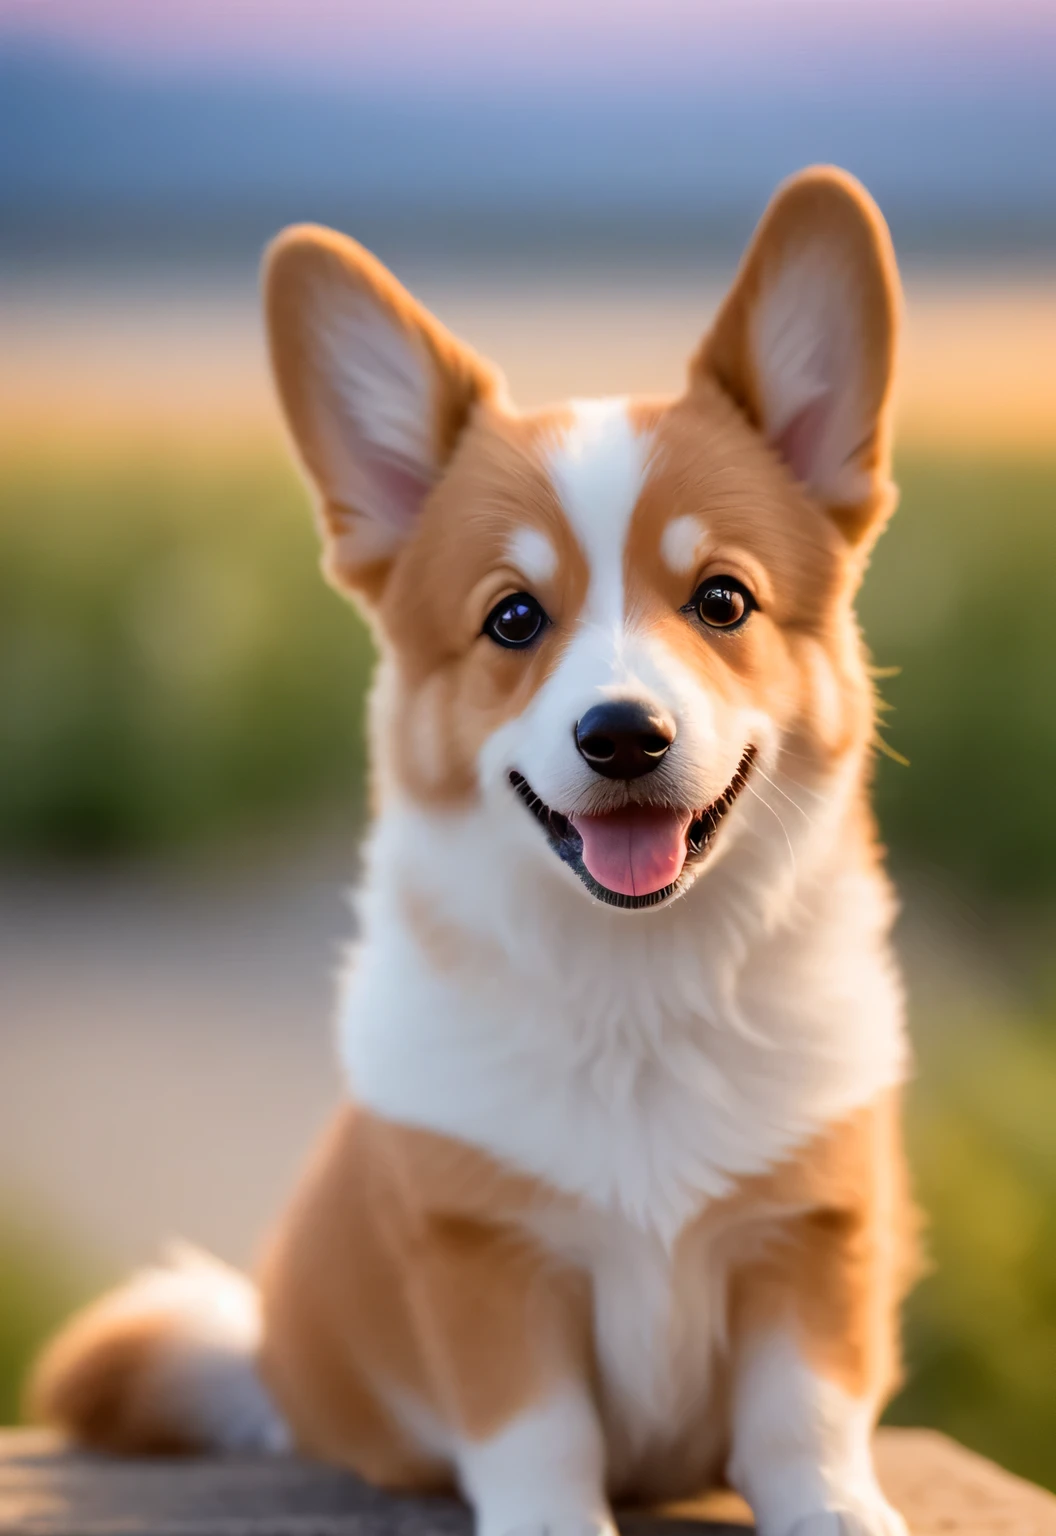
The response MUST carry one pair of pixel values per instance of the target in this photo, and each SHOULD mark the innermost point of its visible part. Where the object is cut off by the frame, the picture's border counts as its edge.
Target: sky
(450, 123)
(444, 43)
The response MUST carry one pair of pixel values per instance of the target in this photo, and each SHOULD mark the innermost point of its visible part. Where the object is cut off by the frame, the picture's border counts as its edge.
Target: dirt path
(165, 1050)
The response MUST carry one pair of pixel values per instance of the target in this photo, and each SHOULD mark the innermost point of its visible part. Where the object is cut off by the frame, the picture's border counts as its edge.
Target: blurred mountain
(99, 161)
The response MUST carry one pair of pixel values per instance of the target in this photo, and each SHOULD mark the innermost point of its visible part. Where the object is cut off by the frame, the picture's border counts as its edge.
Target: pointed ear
(805, 341)
(375, 392)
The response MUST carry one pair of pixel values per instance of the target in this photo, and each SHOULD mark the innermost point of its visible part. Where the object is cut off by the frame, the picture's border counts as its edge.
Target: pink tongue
(636, 851)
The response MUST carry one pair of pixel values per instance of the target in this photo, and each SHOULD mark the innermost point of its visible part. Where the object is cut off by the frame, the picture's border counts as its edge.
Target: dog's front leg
(814, 1347)
(541, 1473)
(505, 1341)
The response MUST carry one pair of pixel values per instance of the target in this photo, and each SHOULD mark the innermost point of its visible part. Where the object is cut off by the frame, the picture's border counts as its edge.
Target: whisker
(784, 829)
(793, 803)
(802, 757)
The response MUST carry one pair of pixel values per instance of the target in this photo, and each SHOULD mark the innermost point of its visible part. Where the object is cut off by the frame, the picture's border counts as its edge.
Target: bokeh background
(568, 185)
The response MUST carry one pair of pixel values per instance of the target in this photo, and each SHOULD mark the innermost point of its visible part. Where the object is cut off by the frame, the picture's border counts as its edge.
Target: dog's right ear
(804, 344)
(375, 392)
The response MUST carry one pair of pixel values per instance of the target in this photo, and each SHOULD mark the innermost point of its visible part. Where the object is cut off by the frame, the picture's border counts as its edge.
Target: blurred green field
(38, 1286)
(981, 1327)
(174, 676)
(172, 670)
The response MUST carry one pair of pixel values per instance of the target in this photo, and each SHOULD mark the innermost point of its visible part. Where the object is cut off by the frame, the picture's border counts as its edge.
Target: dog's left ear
(805, 341)
(376, 393)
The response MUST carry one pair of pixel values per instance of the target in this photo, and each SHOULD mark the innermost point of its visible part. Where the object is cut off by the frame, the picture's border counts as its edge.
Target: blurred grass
(172, 668)
(981, 1327)
(174, 674)
(38, 1286)
(961, 598)
(173, 671)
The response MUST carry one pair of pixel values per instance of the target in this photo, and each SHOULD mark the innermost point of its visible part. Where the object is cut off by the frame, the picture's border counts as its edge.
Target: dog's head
(610, 616)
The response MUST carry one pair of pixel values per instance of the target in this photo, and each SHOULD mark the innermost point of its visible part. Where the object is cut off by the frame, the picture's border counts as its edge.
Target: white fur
(203, 1372)
(802, 1452)
(543, 1474)
(617, 661)
(659, 1324)
(532, 553)
(598, 468)
(680, 543)
(641, 1062)
(642, 1065)
(806, 345)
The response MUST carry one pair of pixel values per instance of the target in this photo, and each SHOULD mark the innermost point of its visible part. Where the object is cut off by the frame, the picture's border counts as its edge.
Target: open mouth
(640, 855)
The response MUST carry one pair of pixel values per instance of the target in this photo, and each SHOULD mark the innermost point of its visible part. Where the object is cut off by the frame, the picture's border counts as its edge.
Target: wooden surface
(44, 1491)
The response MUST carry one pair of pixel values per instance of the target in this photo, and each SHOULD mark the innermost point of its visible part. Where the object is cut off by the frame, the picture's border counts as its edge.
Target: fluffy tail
(165, 1363)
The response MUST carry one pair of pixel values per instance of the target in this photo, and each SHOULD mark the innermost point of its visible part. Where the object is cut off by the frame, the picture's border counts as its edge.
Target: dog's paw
(874, 1517)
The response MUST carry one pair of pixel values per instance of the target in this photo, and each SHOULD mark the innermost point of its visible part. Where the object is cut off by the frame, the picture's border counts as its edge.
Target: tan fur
(824, 203)
(125, 1372)
(451, 687)
(412, 1275)
(839, 1268)
(301, 262)
(709, 464)
(403, 1260)
(414, 1260)
(100, 1377)
(410, 1259)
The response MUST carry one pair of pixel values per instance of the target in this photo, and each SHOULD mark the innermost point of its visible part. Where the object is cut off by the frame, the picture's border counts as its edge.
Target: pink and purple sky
(454, 40)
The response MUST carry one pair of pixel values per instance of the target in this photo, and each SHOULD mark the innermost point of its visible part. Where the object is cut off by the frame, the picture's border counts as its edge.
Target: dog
(616, 1207)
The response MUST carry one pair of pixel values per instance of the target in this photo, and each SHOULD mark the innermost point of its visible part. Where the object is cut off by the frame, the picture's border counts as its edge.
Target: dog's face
(606, 618)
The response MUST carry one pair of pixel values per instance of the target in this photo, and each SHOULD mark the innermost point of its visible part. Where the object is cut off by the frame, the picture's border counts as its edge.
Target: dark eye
(516, 621)
(722, 602)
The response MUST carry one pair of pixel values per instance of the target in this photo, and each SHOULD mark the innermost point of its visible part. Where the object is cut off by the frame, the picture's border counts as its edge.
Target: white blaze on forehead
(680, 543)
(598, 469)
(532, 553)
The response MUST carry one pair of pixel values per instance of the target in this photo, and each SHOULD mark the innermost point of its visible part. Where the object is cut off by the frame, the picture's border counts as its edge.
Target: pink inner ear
(398, 489)
(800, 442)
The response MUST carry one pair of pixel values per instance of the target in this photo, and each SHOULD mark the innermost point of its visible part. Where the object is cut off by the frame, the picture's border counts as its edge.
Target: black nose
(623, 740)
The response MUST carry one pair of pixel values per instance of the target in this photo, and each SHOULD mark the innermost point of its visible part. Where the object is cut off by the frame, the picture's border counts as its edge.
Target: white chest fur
(643, 1065)
(659, 1326)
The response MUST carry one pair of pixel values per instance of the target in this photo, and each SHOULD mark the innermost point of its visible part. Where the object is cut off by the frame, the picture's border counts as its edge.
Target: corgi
(615, 1208)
